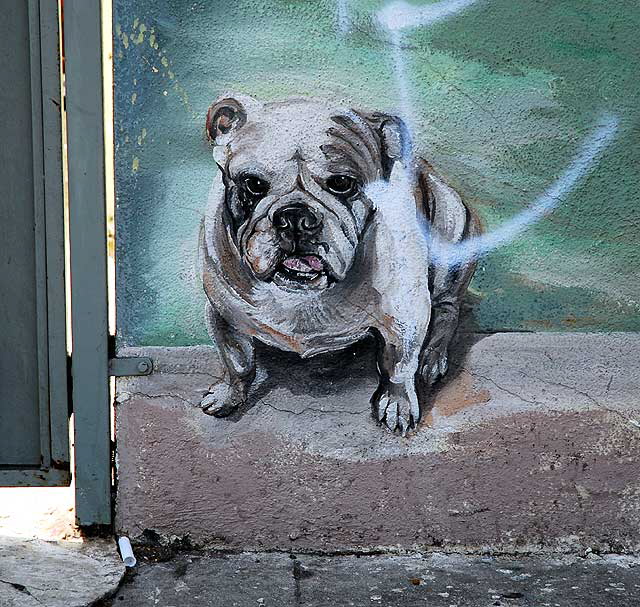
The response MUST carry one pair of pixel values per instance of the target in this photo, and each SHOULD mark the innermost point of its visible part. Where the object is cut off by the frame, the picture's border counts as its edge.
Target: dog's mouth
(300, 271)
(305, 267)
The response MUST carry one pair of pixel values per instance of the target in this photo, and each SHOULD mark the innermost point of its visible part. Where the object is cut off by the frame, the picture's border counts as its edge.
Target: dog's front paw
(435, 366)
(223, 399)
(396, 406)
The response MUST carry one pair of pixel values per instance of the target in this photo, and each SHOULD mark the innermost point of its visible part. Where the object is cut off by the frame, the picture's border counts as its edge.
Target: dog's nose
(297, 220)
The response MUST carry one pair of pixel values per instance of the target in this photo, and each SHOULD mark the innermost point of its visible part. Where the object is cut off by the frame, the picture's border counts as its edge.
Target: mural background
(504, 93)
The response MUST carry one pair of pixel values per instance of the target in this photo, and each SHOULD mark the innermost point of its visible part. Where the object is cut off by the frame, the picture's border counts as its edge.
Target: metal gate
(36, 380)
(33, 387)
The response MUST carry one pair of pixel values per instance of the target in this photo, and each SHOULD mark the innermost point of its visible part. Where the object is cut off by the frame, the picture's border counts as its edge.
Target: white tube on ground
(126, 552)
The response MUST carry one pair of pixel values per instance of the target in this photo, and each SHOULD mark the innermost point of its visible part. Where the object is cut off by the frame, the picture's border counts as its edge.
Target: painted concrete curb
(532, 444)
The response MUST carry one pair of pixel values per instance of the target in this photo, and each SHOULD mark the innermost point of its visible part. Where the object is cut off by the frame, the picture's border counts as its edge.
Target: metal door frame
(88, 251)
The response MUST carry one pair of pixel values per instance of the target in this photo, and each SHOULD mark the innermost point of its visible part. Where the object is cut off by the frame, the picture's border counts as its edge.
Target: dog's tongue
(308, 263)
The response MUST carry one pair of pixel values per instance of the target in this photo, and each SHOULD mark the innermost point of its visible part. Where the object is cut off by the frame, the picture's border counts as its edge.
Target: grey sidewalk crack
(23, 589)
(315, 410)
(629, 420)
(260, 402)
(161, 395)
(497, 385)
(591, 399)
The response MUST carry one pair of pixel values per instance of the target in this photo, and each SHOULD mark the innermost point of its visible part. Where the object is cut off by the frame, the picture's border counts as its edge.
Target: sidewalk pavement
(37, 573)
(434, 580)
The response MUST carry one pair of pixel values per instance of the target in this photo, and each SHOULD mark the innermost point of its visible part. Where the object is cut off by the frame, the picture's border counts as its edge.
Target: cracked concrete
(35, 573)
(531, 444)
(314, 410)
(437, 580)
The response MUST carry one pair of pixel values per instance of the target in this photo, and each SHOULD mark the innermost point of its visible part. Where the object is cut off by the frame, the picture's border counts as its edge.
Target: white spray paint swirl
(342, 17)
(401, 15)
(398, 17)
(397, 194)
(444, 253)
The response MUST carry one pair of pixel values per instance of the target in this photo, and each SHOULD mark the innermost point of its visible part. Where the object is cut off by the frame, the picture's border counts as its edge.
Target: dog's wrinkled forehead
(328, 141)
(273, 138)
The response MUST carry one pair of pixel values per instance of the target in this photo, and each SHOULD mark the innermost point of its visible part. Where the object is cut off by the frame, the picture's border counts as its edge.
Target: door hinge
(130, 365)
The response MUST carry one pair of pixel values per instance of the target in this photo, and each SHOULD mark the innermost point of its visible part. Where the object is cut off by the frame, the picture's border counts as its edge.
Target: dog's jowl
(298, 253)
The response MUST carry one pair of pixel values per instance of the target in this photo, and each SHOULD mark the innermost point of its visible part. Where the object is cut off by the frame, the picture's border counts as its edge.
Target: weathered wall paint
(530, 443)
(504, 93)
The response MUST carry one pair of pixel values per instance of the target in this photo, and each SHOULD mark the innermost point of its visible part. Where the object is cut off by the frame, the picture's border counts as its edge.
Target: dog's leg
(395, 402)
(435, 355)
(238, 355)
(449, 290)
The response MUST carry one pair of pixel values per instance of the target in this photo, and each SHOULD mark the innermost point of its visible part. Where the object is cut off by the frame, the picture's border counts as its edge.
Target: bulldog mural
(322, 233)
(300, 250)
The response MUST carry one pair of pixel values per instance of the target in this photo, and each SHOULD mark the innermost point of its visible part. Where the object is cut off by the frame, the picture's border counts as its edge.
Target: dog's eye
(255, 185)
(342, 185)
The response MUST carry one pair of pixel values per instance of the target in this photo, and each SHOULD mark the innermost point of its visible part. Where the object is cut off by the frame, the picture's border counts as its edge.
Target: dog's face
(295, 174)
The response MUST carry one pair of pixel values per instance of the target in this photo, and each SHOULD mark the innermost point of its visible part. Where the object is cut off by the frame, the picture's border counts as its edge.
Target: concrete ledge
(531, 444)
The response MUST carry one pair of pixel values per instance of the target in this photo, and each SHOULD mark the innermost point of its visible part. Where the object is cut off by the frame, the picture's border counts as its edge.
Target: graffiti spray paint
(444, 253)
(398, 17)
(401, 15)
(342, 17)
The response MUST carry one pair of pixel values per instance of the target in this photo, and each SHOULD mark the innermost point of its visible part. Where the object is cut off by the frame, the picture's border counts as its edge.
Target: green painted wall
(504, 92)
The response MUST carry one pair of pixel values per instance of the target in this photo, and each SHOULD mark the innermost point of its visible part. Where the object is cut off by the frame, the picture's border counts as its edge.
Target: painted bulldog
(307, 246)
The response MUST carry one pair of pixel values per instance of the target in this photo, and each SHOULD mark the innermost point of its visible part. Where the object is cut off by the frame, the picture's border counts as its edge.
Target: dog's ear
(227, 114)
(395, 142)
